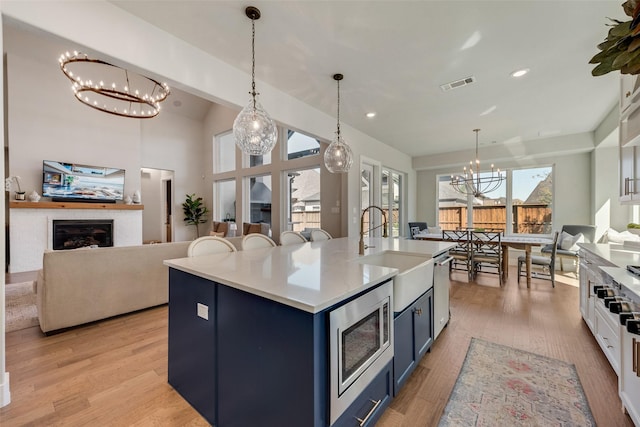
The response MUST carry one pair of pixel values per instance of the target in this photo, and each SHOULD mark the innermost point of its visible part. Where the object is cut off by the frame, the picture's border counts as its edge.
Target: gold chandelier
(474, 182)
(112, 89)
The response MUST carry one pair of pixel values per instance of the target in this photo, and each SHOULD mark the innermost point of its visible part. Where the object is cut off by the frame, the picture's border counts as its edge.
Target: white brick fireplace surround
(31, 230)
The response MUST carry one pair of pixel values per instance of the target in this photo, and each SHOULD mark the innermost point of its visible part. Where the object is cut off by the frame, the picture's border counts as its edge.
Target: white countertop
(310, 276)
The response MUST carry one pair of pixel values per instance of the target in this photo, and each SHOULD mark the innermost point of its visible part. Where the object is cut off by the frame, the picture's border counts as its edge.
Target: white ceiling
(396, 54)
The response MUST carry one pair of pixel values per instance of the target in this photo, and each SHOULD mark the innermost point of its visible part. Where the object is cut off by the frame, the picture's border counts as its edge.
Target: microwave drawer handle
(364, 421)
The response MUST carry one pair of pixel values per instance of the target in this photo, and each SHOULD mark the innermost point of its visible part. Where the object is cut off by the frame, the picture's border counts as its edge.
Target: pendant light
(338, 157)
(254, 131)
(477, 183)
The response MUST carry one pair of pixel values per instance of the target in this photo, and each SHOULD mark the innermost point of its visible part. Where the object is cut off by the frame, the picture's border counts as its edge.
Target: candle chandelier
(338, 156)
(112, 89)
(254, 130)
(474, 182)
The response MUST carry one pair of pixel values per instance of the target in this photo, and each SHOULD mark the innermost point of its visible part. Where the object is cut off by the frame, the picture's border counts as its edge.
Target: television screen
(81, 182)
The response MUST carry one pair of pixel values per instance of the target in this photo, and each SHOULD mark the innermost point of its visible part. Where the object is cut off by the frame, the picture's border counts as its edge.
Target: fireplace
(78, 233)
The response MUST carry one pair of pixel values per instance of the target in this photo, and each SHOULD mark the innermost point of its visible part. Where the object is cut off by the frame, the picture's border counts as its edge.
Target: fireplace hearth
(72, 234)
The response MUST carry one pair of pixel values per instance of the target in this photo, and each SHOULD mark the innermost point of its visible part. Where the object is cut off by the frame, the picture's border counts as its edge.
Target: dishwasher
(441, 285)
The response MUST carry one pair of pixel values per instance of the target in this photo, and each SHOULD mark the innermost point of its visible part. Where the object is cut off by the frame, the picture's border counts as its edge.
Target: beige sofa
(83, 285)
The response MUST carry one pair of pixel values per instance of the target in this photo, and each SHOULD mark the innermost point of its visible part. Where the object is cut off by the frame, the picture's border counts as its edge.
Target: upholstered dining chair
(564, 251)
(547, 264)
(318, 234)
(291, 238)
(256, 241)
(208, 245)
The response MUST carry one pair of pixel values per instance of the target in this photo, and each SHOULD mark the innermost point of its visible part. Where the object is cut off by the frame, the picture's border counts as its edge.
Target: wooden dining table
(508, 241)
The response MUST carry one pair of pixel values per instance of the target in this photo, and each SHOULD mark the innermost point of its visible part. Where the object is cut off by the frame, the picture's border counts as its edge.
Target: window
(224, 153)
(391, 200)
(300, 145)
(259, 192)
(521, 205)
(225, 205)
(303, 199)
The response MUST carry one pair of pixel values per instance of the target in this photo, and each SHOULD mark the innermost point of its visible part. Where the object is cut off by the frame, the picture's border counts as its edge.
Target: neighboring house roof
(306, 186)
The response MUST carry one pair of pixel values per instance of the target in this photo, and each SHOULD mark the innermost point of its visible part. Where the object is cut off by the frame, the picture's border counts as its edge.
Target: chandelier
(112, 89)
(338, 157)
(254, 131)
(477, 183)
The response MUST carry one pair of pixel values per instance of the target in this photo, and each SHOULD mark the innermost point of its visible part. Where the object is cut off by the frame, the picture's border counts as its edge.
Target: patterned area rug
(503, 386)
(20, 303)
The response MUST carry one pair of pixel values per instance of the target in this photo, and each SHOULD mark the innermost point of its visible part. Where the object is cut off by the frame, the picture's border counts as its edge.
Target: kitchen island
(248, 331)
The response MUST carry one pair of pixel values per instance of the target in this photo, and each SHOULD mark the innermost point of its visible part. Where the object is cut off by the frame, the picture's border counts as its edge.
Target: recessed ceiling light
(520, 73)
(371, 115)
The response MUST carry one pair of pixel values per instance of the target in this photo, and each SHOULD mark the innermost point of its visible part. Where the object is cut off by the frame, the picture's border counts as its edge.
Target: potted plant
(194, 211)
(633, 228)
(8, 184)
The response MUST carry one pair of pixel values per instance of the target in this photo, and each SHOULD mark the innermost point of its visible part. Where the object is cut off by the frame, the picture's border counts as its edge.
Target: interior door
(168, 204)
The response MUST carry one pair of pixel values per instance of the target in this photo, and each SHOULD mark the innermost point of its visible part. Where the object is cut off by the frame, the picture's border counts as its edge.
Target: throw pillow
(569, 242)
(613, 236)
(434, 230)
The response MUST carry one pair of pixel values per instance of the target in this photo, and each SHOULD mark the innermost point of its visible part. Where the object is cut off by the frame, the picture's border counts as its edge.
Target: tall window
(521, 205)
(301, 145)
(391, 200)
(224, 153)
(225, 206)
(259, 192)
(303, 201)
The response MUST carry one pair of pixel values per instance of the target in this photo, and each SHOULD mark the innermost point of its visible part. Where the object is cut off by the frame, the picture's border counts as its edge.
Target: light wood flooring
(114, 372)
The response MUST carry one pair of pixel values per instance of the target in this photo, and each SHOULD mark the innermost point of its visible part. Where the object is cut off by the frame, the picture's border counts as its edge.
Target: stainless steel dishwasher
(441, 285)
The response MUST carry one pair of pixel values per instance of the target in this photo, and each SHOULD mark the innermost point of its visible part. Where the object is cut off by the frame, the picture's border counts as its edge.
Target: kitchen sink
(415, 274)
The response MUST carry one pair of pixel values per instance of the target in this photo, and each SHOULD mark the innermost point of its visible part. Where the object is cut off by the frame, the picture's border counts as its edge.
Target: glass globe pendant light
(338, 157)
(254, 130)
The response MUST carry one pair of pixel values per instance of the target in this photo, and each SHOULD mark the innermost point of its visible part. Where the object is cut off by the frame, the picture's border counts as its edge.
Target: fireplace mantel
(74, 205)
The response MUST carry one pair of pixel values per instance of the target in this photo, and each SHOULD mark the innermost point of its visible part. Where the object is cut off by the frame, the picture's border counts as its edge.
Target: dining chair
(318, 234)
(486, 253)
(588, 233)
(416, 227)
(256, 241)
(461, 253)
(547, 264)
(208, 245)
(291, 238)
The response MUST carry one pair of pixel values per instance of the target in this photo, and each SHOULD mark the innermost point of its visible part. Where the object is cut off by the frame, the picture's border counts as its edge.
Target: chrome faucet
(361, 245)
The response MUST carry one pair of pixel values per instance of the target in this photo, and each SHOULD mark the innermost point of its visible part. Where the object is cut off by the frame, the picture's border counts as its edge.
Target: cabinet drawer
(607, 335)
(367, 409)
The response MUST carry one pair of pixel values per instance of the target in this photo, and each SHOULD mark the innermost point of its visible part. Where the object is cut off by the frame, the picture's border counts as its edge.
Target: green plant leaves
(621, 49)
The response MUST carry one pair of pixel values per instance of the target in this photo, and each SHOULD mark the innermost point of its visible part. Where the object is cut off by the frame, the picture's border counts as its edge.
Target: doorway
(157, 197)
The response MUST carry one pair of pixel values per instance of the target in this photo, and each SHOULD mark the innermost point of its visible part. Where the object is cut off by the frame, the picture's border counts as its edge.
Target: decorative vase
(34, 196)
(19, 195)
(136, 197)
(127, 200)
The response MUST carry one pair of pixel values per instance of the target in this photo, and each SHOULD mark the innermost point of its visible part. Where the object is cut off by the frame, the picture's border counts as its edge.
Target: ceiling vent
(458, 83)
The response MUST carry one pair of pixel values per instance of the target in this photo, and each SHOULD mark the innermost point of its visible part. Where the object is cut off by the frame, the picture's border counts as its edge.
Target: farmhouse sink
(415, 275)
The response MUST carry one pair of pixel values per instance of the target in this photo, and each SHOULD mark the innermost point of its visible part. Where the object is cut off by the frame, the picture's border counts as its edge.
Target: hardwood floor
(114, 372)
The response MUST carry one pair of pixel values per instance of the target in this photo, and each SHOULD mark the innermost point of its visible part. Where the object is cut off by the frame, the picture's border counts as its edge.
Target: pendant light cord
(338, 115)
(253, 62)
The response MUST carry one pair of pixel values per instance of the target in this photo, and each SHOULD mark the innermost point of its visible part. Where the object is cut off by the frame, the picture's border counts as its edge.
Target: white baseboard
(5, 393)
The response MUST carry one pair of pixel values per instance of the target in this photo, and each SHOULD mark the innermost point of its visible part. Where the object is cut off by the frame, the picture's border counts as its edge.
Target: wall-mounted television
(83, 183)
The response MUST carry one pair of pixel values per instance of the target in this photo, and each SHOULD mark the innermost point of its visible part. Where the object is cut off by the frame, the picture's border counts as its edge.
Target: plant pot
(19, 195)
(634, 230)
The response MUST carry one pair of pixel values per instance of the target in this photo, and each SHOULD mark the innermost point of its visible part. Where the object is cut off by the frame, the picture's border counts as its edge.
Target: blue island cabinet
(242, 360)
(413, 335)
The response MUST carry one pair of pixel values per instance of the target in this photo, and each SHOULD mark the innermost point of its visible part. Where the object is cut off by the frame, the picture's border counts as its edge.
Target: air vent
(458, 83)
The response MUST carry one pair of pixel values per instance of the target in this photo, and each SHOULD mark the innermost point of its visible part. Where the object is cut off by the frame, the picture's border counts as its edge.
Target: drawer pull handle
(375, 405)
(637, 359)
(418, 311)
(634, 358)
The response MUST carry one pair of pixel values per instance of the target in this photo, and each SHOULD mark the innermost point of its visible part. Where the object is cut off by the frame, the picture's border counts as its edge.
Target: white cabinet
(630, 374)
(629, 142)
(607, 333)
(590, 276)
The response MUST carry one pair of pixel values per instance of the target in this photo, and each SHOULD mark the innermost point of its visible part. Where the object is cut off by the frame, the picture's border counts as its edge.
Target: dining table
(506, 241)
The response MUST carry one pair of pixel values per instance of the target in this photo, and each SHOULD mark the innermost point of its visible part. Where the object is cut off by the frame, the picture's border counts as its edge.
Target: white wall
(152, 216)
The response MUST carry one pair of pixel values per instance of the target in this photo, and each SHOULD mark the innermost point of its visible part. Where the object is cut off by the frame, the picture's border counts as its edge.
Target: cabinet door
(627, 170)
(423, 324)
(630, 375)
(627, 90)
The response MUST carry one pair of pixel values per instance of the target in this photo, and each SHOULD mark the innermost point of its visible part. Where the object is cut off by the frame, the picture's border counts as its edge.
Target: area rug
(503, 386)
(20, 306)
